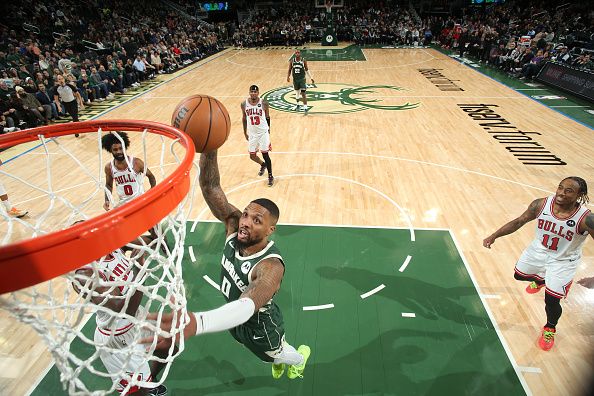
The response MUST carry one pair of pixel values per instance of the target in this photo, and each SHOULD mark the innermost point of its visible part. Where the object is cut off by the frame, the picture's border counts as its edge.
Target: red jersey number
(550, 243)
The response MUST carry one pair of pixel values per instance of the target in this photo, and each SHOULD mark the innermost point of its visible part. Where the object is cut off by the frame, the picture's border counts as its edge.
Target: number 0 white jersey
(559, 238)
(129, 184)
(256, 118)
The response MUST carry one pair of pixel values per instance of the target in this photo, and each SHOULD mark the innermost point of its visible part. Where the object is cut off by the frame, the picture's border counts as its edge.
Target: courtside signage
(517, 142)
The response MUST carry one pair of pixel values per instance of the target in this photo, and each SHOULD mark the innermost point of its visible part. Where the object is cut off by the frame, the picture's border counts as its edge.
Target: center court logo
(336, 98)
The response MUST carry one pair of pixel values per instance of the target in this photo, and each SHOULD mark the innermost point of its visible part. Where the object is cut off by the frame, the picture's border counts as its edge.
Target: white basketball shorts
(557, 274)
(123, 356)
(259, 142)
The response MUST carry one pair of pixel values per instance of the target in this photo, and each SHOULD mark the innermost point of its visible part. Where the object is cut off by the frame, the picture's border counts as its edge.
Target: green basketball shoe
(296, 370)
(278, 370)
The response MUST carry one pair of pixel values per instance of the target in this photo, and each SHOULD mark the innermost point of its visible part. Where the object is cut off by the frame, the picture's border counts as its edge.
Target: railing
(31, 28)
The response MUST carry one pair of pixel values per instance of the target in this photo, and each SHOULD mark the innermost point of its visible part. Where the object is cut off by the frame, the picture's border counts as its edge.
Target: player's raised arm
(530, 214)
(210, 184)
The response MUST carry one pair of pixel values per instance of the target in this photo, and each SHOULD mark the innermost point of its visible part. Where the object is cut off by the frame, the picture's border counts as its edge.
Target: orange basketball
(205, 119)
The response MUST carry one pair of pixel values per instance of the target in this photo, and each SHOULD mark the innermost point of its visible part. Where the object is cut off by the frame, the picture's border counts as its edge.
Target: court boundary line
(515, 90)
(345, 63)
(337, 225)
(506, 347)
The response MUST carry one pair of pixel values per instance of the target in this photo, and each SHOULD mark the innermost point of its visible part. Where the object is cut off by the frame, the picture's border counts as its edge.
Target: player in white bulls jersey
(256, 129)
(108, 280)
(127, 171)
(551, 260)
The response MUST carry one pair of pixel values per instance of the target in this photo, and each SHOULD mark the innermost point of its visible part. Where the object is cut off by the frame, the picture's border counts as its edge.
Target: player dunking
(252, 270)
(128, 173)
(256, 128)
(551, 260)
(299, 69)
(114, 330)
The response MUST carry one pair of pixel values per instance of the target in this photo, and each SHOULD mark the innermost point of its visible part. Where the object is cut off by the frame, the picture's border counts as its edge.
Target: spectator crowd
(99, 48)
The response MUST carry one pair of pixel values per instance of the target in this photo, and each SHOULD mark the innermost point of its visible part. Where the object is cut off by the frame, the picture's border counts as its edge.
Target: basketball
(205, 119)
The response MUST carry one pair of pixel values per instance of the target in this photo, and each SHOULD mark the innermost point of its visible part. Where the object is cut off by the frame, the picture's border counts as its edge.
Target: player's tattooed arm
(266, 280)
(530, 214)
(588, 225)
(210, 184)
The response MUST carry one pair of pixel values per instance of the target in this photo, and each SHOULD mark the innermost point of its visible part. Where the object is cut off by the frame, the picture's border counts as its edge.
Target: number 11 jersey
(559, 237)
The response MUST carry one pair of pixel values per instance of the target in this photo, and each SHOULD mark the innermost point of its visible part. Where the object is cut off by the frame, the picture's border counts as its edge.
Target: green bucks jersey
(236, 272)
(298, 69)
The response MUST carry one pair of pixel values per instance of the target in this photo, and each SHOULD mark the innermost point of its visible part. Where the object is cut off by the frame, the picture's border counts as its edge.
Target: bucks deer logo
(336, 98)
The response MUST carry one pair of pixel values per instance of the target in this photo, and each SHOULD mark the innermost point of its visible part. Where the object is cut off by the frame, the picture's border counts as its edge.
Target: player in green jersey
(299, 69)
(251, 274)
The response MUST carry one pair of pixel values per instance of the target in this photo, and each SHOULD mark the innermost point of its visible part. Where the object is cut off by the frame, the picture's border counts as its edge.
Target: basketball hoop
(24, 264)
(36, 271)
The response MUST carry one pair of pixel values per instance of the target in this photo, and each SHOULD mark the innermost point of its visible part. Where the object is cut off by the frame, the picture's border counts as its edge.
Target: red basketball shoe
(547, 339)
(534, 287)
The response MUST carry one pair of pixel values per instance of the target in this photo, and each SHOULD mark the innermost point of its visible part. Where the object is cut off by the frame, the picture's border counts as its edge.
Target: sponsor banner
(576, 81)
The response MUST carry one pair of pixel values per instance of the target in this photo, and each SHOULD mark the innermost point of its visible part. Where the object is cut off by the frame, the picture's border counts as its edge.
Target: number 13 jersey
(559, 238)
(256, 118)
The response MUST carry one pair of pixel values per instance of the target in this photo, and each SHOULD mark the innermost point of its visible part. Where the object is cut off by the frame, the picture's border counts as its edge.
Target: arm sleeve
(226, 317)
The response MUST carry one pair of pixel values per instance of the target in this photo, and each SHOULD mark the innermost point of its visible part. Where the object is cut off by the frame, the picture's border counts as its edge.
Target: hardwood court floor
(420, 159)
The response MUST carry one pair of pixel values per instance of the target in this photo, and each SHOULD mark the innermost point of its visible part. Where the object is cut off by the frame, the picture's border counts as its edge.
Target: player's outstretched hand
(587, 282)
(488, 241)
(106, 206)
(166, 324)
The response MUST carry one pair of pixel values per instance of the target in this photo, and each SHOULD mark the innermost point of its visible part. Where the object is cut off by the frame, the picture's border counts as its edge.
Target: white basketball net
(65, 319)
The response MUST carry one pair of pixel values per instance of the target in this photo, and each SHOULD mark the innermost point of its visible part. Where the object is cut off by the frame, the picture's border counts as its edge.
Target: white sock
(289, 356)
(7, 205)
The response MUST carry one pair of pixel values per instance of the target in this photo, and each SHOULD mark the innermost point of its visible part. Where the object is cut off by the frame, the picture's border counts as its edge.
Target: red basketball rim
(32, 261)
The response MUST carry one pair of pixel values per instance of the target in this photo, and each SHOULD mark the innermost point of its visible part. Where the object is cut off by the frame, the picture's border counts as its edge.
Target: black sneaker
(160, 390)
(270, 181)
(262, 169)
